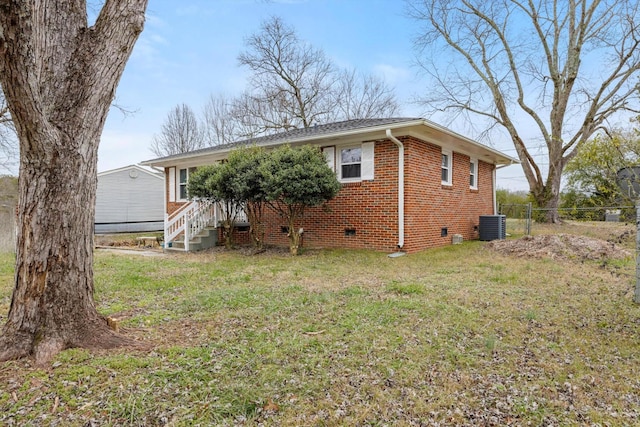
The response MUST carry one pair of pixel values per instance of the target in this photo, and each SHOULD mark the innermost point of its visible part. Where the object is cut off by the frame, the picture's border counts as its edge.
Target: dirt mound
(560, 246)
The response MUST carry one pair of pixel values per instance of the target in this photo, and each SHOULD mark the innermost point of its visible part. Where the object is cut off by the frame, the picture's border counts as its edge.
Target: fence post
(528, 221)
(637, 292)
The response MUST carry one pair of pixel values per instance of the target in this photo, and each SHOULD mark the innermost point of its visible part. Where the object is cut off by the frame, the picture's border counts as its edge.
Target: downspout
(495, 201)
(165, 196)
(400, 187)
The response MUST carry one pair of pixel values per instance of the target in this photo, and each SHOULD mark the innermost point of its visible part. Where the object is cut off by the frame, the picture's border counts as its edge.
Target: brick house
(407, 184)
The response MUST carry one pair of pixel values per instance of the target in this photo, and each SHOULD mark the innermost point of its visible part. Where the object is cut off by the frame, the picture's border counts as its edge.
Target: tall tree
(547, 70)
(180, 133)
(363, 96)
(219, 124)
(292, 81)
(59, 76)
(294, 85)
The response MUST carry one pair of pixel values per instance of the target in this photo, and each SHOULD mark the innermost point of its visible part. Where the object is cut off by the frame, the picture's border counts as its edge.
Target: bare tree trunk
(546, 200)
(59, 77)
(547, 194)
(256, 228)
(52, 306)
(229, 213)
(294, 234)
(294, 238)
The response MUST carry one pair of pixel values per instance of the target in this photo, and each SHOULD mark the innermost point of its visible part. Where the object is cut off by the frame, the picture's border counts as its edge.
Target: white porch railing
(203, 216)
(188, 220)
(192, 218)
(241, 216)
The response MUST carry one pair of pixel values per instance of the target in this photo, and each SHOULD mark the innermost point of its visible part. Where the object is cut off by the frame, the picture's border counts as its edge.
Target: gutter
(400, 187)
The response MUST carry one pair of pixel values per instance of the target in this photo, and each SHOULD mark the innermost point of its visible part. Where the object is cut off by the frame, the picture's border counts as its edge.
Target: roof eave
(165, 161)
(497, 157)
(504, 159)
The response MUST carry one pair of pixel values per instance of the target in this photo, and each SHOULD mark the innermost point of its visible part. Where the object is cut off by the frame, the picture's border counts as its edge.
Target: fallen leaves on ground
(560, 246)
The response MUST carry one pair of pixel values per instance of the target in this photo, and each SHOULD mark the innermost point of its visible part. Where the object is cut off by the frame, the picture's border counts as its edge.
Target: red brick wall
(369, 209)
(431, 206)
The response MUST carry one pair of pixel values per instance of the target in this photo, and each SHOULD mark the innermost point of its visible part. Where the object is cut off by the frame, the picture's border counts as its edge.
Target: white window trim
(449, 167)
(474, 162)
(339, 161)
(367, 155)
(178, 198)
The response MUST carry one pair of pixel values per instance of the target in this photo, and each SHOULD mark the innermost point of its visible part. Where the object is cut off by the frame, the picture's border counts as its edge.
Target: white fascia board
(499, 155)
(467, 147)
(155, 174)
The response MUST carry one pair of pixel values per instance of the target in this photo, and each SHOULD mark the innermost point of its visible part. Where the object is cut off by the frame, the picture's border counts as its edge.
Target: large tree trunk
(59, 77)
(547, 195)
(52, 306)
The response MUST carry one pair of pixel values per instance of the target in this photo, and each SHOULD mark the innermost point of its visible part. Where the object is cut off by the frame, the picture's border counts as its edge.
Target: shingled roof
(297, 134)
(372, 128)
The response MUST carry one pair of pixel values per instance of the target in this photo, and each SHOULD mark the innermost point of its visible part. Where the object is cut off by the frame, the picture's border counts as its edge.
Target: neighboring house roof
(345, 132)
(153, 173)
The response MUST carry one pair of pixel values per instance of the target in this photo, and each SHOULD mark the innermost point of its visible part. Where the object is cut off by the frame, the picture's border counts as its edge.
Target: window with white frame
(446, 167)
(473, 174)
(183, 178)
(351, 163)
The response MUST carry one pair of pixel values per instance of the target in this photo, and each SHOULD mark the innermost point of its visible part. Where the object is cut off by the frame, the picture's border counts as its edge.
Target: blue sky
(189, 50)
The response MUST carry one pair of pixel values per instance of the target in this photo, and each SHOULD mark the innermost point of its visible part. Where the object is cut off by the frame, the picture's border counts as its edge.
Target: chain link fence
(521, 217)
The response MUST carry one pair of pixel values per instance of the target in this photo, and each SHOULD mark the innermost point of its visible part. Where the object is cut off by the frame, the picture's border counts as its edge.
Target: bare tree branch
(219, 124)
(364, 96)
(295, 85)
(289, 76)
(180, 133)
(568, 66)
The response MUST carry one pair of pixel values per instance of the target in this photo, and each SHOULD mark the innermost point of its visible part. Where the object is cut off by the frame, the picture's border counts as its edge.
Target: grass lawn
(458, 335)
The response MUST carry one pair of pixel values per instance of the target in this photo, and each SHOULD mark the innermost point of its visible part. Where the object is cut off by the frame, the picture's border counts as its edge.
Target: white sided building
(129, 199)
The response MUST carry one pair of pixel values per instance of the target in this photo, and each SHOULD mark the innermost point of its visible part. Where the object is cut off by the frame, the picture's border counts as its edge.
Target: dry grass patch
(455, 336)
(561, 246)
(617, 232)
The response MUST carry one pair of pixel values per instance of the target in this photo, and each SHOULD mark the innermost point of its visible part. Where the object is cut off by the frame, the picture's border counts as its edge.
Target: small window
(183, 178)
(473, 174)
(182, 183)
(446, 167)
(350, 163)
